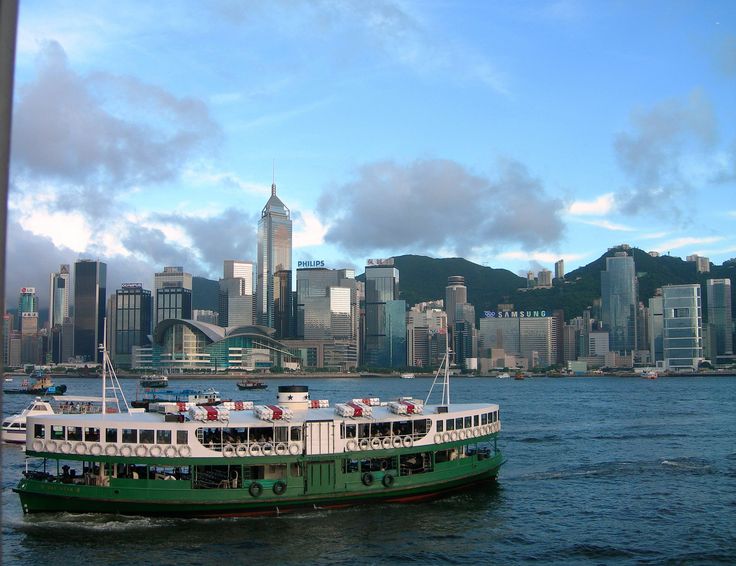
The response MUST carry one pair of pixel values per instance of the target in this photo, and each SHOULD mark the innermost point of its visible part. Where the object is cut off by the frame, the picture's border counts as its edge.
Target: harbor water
(599, 470)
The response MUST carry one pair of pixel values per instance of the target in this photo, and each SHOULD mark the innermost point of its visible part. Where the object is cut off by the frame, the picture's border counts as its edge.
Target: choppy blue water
(599, 470)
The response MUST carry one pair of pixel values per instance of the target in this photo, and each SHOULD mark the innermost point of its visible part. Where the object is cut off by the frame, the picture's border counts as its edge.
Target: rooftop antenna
(273, 181)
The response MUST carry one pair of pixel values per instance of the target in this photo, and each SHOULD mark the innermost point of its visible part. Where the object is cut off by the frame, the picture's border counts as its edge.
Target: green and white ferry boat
(179, 459)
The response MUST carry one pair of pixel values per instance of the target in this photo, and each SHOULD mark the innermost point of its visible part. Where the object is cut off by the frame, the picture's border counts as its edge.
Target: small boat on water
(154, 381)
(251, 384)
(245, 459)
(503, 375)
(38, 383)
(407, 376)
(519, 376)
(651, 374)
(14, 427)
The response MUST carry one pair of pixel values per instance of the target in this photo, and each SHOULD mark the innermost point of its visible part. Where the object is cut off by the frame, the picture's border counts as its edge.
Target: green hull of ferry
(317, 481)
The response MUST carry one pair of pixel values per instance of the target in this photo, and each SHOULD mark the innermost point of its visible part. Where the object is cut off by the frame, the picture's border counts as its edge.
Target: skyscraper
(619, 302)
(172, 294)
(274, 254)
(90, 291)
(129, 321)
(27, 303)
(720, 321)
(236, 294)
(59, 286)
(683, 327)
(560, 269)
(384, 317)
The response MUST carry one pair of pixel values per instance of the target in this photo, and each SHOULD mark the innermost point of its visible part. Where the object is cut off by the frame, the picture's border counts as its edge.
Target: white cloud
(687, 241)
(598, 207)
(308, 230)
(542, 257)
(609, 225)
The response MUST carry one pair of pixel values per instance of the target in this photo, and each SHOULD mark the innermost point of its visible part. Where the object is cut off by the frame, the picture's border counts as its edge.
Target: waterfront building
(236, 300)
(465, 335)
(656, 329)
(172, 286)
(284, 316)
(598, 343)
(385, 317)
(720, 318)
(499, 333)
(59, 287)
(560, 269)
(274, 254)
(424, 323)
(619, 302)
(683, 327)
(702, 264)
(90, 294)
(186, 345)
(538, 340)
(129, 322)
(570, 341)
(27, 303)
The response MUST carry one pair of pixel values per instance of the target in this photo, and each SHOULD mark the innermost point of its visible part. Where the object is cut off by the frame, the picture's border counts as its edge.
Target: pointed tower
(274, 255)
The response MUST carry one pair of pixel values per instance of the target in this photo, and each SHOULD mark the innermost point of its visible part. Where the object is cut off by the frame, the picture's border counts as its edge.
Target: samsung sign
(514, 314)
(301, 264)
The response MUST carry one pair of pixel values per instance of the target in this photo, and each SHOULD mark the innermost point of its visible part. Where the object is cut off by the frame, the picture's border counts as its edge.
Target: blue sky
(510, 133)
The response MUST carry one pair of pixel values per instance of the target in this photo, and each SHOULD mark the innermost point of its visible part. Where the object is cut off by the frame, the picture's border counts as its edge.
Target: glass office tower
(129, 322)
(683, 327)
(90, 290)
(720, 319)
(274, 254)
(385, 318)
(619, 302)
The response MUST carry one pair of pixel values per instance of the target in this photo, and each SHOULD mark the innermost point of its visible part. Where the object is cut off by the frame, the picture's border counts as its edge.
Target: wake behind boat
(238, 458)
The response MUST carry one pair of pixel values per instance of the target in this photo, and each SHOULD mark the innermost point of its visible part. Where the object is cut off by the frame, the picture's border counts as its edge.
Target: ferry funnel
(295, 397)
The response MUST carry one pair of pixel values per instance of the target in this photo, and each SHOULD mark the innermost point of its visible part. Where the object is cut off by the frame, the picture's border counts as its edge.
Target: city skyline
(395, 127)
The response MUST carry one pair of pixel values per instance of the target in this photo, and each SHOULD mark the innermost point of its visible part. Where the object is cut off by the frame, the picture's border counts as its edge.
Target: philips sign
(514, 314)
(301, 264)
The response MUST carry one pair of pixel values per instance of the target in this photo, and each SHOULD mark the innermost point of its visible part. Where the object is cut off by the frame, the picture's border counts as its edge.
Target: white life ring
(397, 442)
(241, 450)
(351, 445)
(489, 429)
(364, 444)
(446, 437)
(170, 451)
(80, 448)
(386, 442)
(141, 450)
(267, 449)
(476, 432)
(155, 451)
(281, 449)
(37, 445)
(111, 450)
(95, 449)
(51, 446)
(438, 438)
(228, 450)
(462, 434)
(294, 449)
(126, 450)
(185, 450)
(453, 435)
(407, 442)
(375, 443)
(255, 449)
(65, 447)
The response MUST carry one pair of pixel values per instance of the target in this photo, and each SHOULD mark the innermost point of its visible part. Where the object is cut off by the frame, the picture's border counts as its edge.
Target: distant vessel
(407, 376)
(38, 383)
(155, 381)
(250, 384)
(519, 376)
(503, 375)
(651, 374)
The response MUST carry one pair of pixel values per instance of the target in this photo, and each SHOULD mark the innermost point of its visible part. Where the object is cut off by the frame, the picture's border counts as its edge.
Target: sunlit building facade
(619, 302)
(683, 327)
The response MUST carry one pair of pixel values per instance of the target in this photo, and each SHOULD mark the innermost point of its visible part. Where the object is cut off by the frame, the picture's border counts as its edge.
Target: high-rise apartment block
(702, 264)
(90, 293)
(274, 254)
(619, 302)
(560, 269)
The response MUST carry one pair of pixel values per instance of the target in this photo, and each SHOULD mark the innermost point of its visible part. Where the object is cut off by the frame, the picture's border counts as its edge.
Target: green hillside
(424, 279)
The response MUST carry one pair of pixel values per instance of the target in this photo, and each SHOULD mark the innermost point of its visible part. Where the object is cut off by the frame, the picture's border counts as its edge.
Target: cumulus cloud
(437, 204)
(597, 207)
(652, 153)
(97, 129)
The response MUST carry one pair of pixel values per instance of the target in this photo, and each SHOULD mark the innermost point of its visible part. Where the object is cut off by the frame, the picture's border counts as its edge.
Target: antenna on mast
(273, 178)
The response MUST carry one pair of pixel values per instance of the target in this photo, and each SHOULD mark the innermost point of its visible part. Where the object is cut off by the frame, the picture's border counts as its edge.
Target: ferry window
(350, 431)
(282, 434)
(384, 429)
(475, 420)
(163, 437)
(261, 434)
(468, 422)
(296, 433)
(364, 430)
(111, 435)
(130, 435)
(484, 419)
(57, 432)
(92, 434)
(450, 424)
(182, 437)
(458, 423)
(74, 433)
(440, 425)
(146, 436)
(420, 427)
(38, 431)
(402, 428)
